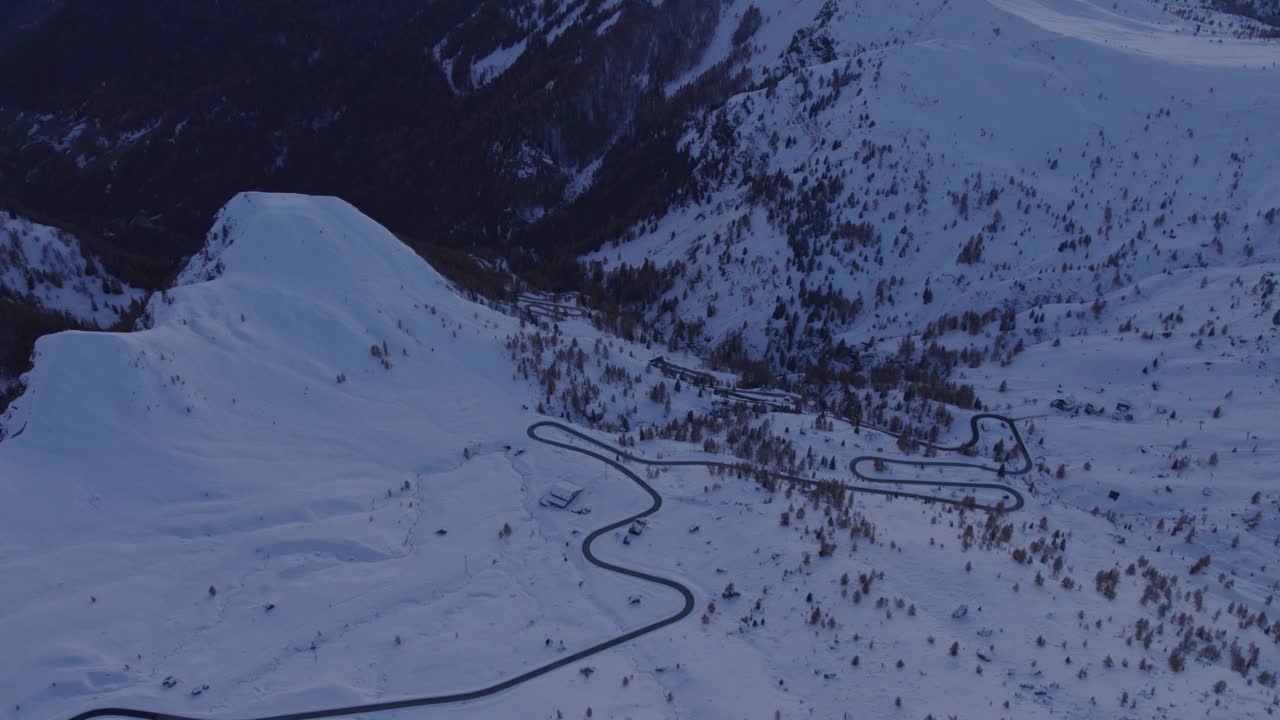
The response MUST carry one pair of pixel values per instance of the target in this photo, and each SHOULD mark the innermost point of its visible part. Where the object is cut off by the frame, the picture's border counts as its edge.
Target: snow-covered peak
(304, 242)
(300, 316)
(279, 409)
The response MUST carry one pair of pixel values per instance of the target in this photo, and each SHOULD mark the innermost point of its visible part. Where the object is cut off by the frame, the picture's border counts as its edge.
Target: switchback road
(585, 445)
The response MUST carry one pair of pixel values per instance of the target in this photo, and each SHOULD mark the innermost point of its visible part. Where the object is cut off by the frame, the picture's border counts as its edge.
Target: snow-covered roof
(561, 494)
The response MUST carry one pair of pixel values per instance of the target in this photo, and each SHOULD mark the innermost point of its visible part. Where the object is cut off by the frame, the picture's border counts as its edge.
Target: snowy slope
(46, 266)
(294, 483)
(1077, 146)
(1090, 189)
(289, 488)
(294, 486)
(251, 441)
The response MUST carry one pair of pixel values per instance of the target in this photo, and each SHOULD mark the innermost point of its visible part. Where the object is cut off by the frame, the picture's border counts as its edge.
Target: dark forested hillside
(136, 119)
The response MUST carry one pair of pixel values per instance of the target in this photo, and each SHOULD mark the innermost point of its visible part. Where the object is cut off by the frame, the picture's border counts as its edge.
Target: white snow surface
(249, 449)
(46, 265)
(495, 63)
(218, 448)
(1145, 31)
(1051, 119)
(160, 489)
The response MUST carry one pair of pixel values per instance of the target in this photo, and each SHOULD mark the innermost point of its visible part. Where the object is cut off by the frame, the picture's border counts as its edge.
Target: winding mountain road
(613, 456)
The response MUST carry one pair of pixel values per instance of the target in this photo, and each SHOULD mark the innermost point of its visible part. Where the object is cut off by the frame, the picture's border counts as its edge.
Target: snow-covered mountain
(287, 490)
(311, 476)
(306, 483)
(266, 439)
(46, 267)
(461, 122)
(50, 282)
(902, 162)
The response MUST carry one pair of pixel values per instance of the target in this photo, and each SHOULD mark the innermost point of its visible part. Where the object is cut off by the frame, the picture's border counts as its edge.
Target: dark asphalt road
(611, 456)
